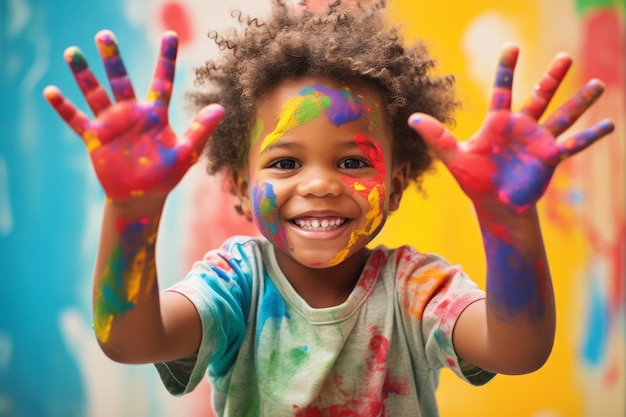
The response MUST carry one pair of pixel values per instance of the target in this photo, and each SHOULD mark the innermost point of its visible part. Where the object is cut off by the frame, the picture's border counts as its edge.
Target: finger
(501, 96)
(543, 92)
(163, 79)
(76, 119)
(94, 93)
(438, 139)
(200, 129)
(585, 138)
(116, 71)
(566, 115)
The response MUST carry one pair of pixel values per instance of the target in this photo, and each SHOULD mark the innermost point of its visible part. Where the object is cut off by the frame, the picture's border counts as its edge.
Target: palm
(510, 160)
(137, 152)
(133, 149)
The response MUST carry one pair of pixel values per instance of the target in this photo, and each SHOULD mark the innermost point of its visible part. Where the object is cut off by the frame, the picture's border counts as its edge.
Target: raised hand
(512, 157)
(133, 149)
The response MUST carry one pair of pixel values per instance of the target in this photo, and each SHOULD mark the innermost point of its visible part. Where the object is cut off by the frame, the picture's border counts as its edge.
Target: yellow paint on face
(296, 112)
(373, 220)
(257, 130)
(359, 187)
(376, 197)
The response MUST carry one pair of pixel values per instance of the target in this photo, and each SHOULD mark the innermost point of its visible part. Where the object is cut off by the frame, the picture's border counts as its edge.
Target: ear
(399, 182)
(240, 186)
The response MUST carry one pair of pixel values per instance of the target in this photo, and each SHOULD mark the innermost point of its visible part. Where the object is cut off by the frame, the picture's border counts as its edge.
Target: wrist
(505, 223)
(147, 206)
(503, 213)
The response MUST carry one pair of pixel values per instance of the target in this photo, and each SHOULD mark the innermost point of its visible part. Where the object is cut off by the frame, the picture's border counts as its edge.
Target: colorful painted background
(50, 202)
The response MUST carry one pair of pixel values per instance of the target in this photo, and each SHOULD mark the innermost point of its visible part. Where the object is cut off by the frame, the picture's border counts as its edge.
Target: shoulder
(236, 263)
(406, 261)
(423, 279)
(234, 251)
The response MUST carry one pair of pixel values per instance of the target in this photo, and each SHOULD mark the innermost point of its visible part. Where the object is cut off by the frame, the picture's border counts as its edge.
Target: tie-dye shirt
(268, 353)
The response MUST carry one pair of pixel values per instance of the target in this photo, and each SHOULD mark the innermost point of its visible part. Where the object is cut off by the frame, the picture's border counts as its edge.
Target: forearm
(127, 318)
(520, 307)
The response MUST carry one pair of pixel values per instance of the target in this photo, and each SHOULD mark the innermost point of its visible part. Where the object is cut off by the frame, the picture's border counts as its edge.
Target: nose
(320, 182)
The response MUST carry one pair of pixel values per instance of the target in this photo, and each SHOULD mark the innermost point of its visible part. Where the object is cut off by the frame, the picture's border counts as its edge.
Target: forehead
(337, 99)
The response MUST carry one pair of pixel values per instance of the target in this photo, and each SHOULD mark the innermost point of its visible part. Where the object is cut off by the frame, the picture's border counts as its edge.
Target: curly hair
(346, 47)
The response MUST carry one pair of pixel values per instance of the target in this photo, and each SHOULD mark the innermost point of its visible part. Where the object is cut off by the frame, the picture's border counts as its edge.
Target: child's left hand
(510, 160)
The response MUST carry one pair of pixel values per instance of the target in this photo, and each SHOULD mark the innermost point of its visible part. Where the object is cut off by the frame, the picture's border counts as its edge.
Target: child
(309, 320)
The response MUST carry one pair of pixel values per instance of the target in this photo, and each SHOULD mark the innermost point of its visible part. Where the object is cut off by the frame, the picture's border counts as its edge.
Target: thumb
(437, 137)
(202, 127)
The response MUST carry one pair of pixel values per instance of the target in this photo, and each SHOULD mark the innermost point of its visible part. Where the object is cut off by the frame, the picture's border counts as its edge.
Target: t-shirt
(268, 353)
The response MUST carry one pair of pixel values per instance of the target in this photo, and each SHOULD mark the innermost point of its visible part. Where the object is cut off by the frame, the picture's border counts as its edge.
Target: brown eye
(285, 164)
(353, 163)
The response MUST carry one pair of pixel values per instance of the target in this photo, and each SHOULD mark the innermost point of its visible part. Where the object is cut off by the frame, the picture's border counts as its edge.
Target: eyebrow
(345, 144)
(279, 144)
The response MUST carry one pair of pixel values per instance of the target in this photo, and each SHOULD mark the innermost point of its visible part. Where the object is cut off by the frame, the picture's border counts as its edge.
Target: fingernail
(606, 126)
(75, 58)
(51, 92)
(106, 43)
(105, 35)
(414, 119)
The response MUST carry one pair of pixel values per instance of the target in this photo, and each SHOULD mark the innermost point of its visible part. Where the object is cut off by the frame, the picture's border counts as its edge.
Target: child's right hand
(133, 149)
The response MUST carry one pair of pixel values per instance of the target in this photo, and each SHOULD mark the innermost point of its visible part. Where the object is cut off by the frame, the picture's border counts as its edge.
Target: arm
(504, 169)
(138, 159)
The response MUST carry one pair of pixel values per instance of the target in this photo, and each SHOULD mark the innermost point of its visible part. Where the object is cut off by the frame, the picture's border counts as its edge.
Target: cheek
(373, 191)
(263, 201)
(371, 195)
(377, 202)
(265, 213)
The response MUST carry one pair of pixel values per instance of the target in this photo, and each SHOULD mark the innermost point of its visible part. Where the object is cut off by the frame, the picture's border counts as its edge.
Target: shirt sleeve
(433, 294)
(220, 287)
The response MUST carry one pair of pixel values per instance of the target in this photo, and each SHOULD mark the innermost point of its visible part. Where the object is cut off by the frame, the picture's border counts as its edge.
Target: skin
(322, 154)
(504, 169)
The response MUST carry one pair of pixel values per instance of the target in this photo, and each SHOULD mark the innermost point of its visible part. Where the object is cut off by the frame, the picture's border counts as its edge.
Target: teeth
(320, 225)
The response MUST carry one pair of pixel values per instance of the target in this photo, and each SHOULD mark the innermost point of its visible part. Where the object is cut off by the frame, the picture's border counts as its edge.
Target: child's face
(320, 180)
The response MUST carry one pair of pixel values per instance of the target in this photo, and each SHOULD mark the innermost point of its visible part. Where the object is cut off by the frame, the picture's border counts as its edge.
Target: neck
(323, 287)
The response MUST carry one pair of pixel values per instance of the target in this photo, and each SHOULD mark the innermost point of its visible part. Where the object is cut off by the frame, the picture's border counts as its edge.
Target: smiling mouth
(320, 225)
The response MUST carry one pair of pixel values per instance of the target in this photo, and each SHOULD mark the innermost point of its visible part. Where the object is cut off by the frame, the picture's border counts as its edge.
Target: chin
(324, 261)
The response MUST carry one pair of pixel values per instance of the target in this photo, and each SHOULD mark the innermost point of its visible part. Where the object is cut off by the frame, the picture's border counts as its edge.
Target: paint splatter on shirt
(268, 353)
